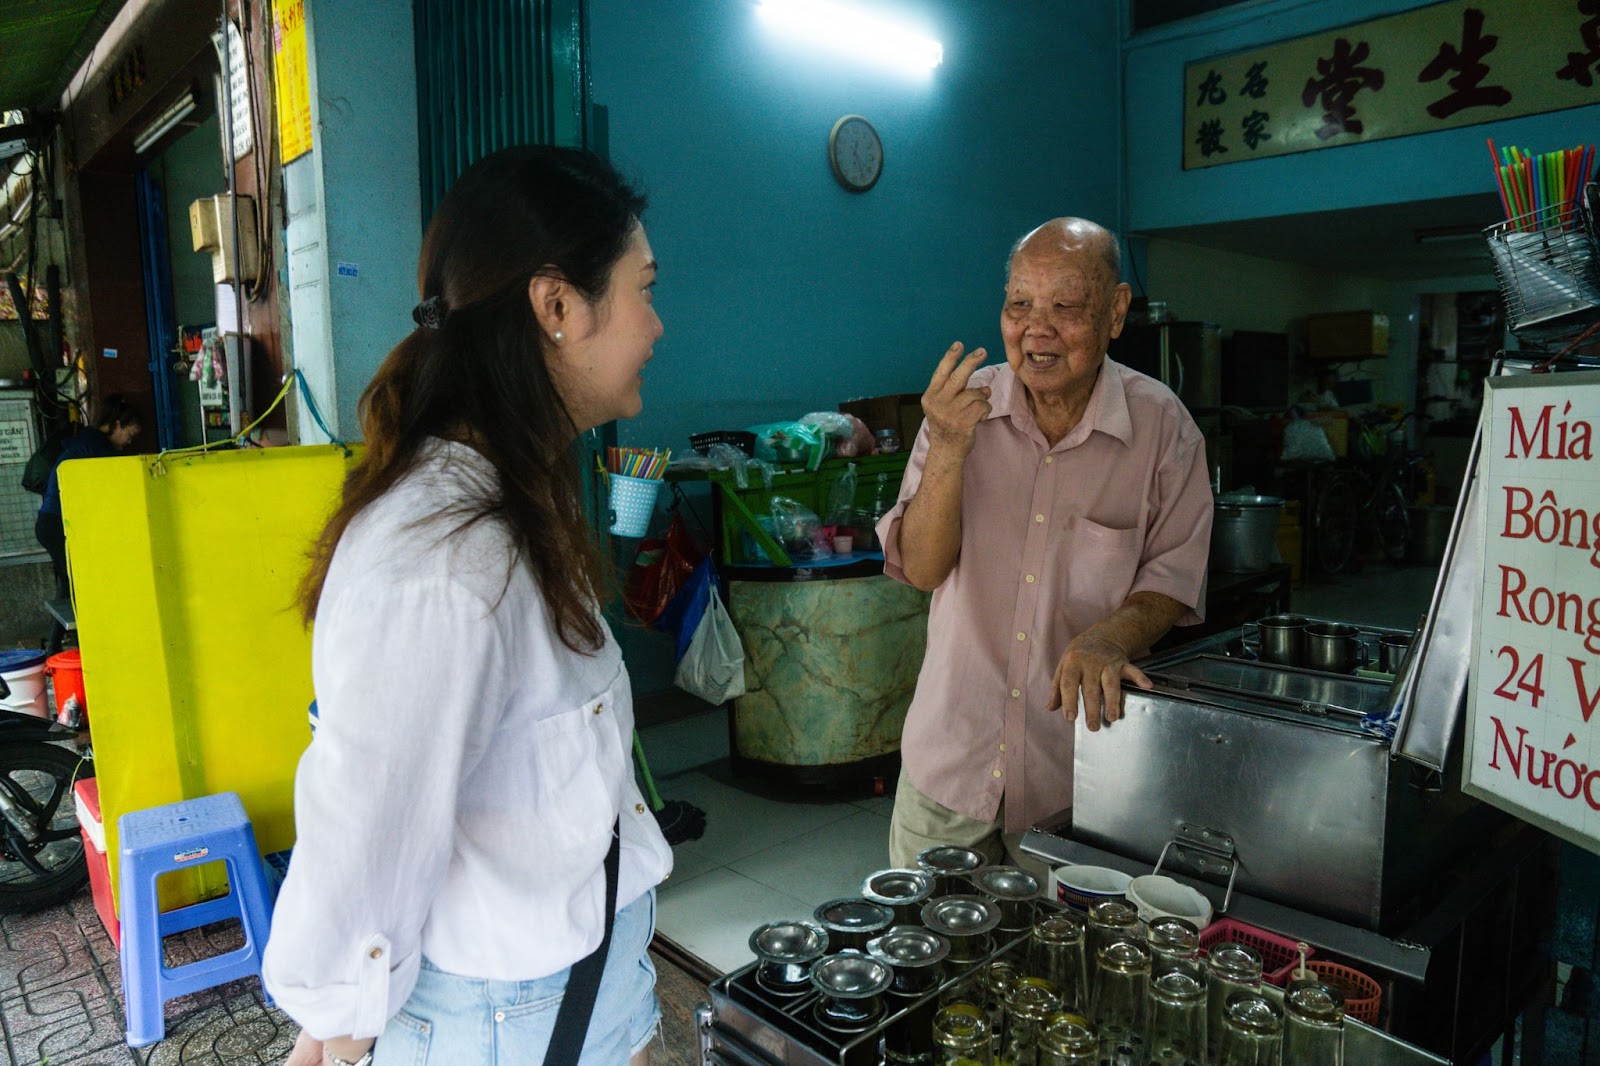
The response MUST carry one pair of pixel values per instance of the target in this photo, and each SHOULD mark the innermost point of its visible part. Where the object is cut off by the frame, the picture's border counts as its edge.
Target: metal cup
(1283, 639)
(1392, 651)
(1332, 647)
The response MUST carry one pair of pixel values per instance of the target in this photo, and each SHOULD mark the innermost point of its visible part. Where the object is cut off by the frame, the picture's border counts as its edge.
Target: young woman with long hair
(474, 875)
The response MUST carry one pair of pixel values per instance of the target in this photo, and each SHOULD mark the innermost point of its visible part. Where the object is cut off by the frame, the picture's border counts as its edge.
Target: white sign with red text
(1533, 732)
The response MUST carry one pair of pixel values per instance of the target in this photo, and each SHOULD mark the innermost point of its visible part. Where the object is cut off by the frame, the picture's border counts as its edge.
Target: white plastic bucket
(24, 673)
(1079, 886)
(1160, 897)
(633, 503)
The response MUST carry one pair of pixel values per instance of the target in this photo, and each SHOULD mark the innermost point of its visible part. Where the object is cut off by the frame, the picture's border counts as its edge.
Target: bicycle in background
(1364, 502)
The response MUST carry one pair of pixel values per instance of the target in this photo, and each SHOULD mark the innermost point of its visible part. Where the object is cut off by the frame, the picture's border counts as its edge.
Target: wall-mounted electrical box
(211, 228)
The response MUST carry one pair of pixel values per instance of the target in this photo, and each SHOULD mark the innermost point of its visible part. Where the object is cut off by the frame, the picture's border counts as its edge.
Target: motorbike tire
(49, 867)
(1335, 511)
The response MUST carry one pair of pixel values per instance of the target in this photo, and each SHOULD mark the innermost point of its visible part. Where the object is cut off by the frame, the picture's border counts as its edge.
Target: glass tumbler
(1174, 944)
(1117, 1004)
(1057, 955)
(1252, 1032)
(1029, 1003)
(1068, 1040)
(1175, 1029)
(1313, 1024)
(1109, 919)
(961, 1035)
(1230, 969)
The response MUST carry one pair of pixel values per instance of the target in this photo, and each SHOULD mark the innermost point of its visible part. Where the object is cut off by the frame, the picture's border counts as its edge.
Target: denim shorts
(452, 1020)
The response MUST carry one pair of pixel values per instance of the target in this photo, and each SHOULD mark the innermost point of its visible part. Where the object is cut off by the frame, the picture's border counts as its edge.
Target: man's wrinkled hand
(1093, 669)
(953, 410)
(307, 1051)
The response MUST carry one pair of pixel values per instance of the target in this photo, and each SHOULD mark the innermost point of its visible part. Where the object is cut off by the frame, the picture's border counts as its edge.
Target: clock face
(856, 153)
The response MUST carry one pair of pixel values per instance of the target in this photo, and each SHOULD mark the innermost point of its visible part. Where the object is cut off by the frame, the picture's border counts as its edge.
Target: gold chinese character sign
(1450, 64)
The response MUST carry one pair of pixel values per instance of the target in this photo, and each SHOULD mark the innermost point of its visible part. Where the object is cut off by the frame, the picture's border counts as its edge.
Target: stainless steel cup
(1283, 639)
(1392, 651)
(1332, 647)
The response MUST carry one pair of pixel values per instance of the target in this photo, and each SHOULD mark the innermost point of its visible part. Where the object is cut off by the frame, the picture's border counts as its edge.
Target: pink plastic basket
(1279, 955)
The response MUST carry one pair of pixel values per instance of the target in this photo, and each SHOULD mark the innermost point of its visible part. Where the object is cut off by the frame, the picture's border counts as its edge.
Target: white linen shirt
(457, 798)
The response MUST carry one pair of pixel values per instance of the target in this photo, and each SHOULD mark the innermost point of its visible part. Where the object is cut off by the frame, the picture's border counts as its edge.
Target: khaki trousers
(920, 823)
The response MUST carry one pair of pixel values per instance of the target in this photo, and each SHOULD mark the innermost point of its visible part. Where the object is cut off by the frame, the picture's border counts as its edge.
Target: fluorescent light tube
(180, 109)
(846, 29)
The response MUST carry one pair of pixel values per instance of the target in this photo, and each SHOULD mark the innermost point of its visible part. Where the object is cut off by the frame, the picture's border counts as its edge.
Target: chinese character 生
(1467, 61)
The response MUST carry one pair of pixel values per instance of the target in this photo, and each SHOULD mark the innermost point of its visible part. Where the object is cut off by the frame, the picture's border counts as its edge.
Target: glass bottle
(1029, 1003)
(1230, 969)
(1313, 1024)
(1174, 944)
(961, 1035)
(1175, 1030)
(1252, 1032)
(1068, 1040)
(1109, 919)
(1118, 999)
(1057, 956)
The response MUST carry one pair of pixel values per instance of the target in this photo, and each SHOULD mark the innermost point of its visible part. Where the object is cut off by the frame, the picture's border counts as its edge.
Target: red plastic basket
(1362, 995)
(1279, 954)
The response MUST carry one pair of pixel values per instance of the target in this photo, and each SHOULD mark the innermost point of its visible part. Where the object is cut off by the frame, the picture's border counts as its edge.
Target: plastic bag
(659, 570)
(1304, 439)
(791, 443)
(796, 527)
(847, 435)
(682, 615)
(842, 498)
(713, 667)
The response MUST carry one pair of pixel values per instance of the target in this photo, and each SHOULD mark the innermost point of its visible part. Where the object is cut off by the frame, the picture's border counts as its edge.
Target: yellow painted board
(197, 668)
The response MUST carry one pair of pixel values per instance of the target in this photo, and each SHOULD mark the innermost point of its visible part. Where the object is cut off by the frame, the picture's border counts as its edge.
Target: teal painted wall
(1401, 170)
(781, 292)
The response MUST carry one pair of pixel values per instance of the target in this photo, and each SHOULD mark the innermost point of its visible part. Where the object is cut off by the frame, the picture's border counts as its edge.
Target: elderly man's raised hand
(1095, 667)
(952, 408)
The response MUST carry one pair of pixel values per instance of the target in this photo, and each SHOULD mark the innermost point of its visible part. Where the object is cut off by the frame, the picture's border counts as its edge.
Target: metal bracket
(702, 1027)
(1209, 851)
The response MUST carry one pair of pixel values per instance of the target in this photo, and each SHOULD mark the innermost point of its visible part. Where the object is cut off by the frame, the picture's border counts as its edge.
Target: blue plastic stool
(175, 837)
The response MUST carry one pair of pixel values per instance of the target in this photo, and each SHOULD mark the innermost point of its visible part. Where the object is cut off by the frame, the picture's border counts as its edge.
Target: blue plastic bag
(683, 612)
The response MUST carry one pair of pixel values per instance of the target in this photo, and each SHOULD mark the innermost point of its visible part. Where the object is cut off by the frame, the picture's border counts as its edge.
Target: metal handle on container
(1216, 850)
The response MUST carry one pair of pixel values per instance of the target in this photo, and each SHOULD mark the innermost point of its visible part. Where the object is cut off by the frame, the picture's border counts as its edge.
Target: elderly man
(1058, 509)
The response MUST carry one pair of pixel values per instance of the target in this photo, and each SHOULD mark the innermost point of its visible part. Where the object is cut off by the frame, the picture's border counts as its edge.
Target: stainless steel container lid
(1008, 883)
(853, 916)
(1175, 986)
(1315, 1002)
(909, 947)
(1066, 1034)
(1238, 961)
(960, 915)
(947, 859)
(897, 887)
(851, 975)
(789, 941)
(1253, 1014)
(1245, 499)
(1124, 956)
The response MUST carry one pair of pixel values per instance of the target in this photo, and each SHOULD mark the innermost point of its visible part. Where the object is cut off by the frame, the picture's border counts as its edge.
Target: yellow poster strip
(292, 77)
(1439, 67)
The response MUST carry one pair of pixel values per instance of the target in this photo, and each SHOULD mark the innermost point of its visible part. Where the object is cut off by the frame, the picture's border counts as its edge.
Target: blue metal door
(156, 265)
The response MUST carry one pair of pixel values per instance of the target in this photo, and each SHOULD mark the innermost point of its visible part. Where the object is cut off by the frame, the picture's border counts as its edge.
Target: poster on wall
(292, 78)
(1450, 64)
(1533, 737)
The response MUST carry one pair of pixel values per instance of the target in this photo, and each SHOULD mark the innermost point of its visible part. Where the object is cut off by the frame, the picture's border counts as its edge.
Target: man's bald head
(1074, 235)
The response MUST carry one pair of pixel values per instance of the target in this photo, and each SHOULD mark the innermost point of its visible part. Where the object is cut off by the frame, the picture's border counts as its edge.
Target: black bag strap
(583, 983)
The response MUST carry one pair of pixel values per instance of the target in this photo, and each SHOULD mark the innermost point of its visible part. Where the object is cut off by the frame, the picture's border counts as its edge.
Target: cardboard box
(901, 412)
(1348, 335)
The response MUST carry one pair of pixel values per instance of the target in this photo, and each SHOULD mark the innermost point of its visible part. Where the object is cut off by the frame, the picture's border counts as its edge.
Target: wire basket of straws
(633, 476)
(1545, 255)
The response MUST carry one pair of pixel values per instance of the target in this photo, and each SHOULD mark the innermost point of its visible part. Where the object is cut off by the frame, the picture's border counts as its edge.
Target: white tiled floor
(763, 857)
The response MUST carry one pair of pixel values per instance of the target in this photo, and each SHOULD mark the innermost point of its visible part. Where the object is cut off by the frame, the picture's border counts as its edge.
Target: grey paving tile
(35, 956)
(65, 1021)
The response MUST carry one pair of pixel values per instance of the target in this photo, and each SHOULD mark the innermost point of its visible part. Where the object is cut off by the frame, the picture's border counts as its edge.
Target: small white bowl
(1079, 886)
(1162, 897)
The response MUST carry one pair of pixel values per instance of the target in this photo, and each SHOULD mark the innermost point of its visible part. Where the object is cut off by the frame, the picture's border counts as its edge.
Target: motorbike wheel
(41, 867)
(1335, 511)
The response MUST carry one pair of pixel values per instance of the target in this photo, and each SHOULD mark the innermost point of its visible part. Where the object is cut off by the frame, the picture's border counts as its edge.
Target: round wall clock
(855, 153)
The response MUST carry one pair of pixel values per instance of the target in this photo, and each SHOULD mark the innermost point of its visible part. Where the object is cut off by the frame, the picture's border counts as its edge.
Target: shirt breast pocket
(1101, 563)
(580, 770)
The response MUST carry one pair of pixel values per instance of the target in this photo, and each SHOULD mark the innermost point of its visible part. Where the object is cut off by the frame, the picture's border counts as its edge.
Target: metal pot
(785, 952)
(850, 923)
(1332, 646)
(1283, 639)
(1244, 533)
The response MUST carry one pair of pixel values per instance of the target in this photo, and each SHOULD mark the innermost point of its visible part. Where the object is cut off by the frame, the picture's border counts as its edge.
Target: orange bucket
(65, 670)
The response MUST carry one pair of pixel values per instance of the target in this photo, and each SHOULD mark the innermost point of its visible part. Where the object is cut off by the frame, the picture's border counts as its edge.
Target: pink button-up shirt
(1052, 541)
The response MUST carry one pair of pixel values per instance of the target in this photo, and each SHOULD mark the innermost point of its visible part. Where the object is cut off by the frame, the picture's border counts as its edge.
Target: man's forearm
(930, 527)
(1143, 619)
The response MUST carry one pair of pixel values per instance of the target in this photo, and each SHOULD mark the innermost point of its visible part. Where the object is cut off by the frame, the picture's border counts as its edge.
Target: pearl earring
(558, 336)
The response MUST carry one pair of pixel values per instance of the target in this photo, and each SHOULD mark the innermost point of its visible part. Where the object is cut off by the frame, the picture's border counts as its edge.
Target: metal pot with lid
(852, 922)
(1244, 532)
(852, 985)
(951, 868)
(902, 891)
(1013, 889)
(785, 952)
(966, 921)
(916, 956)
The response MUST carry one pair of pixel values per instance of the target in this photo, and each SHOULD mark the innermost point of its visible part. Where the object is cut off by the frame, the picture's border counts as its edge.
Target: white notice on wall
(1533, 737)
(16, 441)
(239, 87)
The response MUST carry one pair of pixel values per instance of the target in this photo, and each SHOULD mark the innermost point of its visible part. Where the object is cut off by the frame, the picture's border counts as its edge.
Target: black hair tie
(429, 314)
